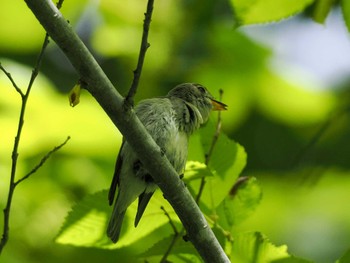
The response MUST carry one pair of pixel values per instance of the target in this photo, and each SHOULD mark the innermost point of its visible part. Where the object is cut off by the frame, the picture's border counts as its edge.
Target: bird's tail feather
(115, 224)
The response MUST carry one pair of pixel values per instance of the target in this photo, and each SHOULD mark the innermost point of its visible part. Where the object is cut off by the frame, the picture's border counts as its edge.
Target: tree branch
(134, 132)
(143, 48)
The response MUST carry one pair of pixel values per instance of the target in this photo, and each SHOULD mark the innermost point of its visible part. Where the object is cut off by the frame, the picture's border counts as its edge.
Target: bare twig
(35, 71)
(143, 48)
(170, 220)
(42, 161)
(8, 75)
(14, 156)
(210, 151)
(176, 236)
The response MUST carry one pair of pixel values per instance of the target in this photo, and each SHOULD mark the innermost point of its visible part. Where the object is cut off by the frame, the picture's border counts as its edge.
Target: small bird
(170, 120)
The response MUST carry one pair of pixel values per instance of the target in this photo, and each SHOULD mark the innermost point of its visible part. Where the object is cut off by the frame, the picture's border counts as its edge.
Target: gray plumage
(170, 120)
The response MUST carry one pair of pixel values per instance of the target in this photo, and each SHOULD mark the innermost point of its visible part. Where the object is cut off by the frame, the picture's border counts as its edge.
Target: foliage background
(275, 110)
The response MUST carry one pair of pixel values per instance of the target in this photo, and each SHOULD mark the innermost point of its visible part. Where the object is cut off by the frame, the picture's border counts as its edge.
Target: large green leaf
(255, 247)
(262, 11)
(226, 163)
(86, 224)
(244, 197)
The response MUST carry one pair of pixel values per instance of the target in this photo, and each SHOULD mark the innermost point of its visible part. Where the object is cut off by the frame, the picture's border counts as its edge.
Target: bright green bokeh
(263, 11)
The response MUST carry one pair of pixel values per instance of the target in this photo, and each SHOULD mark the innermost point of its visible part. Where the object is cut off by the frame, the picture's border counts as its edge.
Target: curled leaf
(74, 95)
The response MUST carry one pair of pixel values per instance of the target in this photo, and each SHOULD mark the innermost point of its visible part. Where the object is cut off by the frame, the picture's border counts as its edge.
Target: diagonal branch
(130, 126)
(144, 46)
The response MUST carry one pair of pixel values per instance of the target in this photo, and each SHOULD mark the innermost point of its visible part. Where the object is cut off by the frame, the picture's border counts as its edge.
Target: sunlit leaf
(262, 11)
(255, 247)
(226, 163)
(196, 170)
(86, 224)
(244, 197)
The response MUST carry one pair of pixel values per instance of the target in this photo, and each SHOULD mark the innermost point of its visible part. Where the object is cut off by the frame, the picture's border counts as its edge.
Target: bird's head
(198, 96)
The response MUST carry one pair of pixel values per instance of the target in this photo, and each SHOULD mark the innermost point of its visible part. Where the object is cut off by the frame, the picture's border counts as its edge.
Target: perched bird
(170, 120)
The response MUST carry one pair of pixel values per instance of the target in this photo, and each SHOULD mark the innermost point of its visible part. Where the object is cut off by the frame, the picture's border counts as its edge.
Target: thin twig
(211, 149)
(42, 161)
(35, 71)
(8, 75)
(170, 220)
(14, 156)
(143, 48)
(172, 244)
(176, 236)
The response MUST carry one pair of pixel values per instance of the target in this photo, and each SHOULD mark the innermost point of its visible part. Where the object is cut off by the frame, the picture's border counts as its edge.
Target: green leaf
(86, 224)
(262, 11)
(345, 4)
(196, 170)
(226, 163)
(321, 10)
(244, 197)
(255, 247)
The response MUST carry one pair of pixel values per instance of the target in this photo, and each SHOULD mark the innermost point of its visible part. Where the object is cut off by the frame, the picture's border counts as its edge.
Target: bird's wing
(143, 201)
(115, 180)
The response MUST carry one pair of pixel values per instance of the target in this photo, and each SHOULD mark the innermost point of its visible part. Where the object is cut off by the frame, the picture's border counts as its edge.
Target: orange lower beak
(217, 105)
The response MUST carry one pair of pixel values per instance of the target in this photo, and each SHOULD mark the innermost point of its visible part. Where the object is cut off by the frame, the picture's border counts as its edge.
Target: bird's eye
(201, 89)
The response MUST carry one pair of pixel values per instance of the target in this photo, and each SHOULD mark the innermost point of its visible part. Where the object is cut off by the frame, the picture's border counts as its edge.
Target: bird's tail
(115, 223)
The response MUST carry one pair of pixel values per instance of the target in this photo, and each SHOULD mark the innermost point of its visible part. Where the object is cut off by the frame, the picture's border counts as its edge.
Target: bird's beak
(217, 105)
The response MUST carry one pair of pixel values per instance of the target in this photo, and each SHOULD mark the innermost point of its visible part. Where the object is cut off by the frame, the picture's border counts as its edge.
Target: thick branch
(134, 132)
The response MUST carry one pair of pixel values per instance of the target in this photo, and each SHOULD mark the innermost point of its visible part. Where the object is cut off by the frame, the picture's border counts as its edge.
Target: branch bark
(124, 118)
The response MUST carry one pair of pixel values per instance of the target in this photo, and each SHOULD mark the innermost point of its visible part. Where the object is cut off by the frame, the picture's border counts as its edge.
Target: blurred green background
(286, 84)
